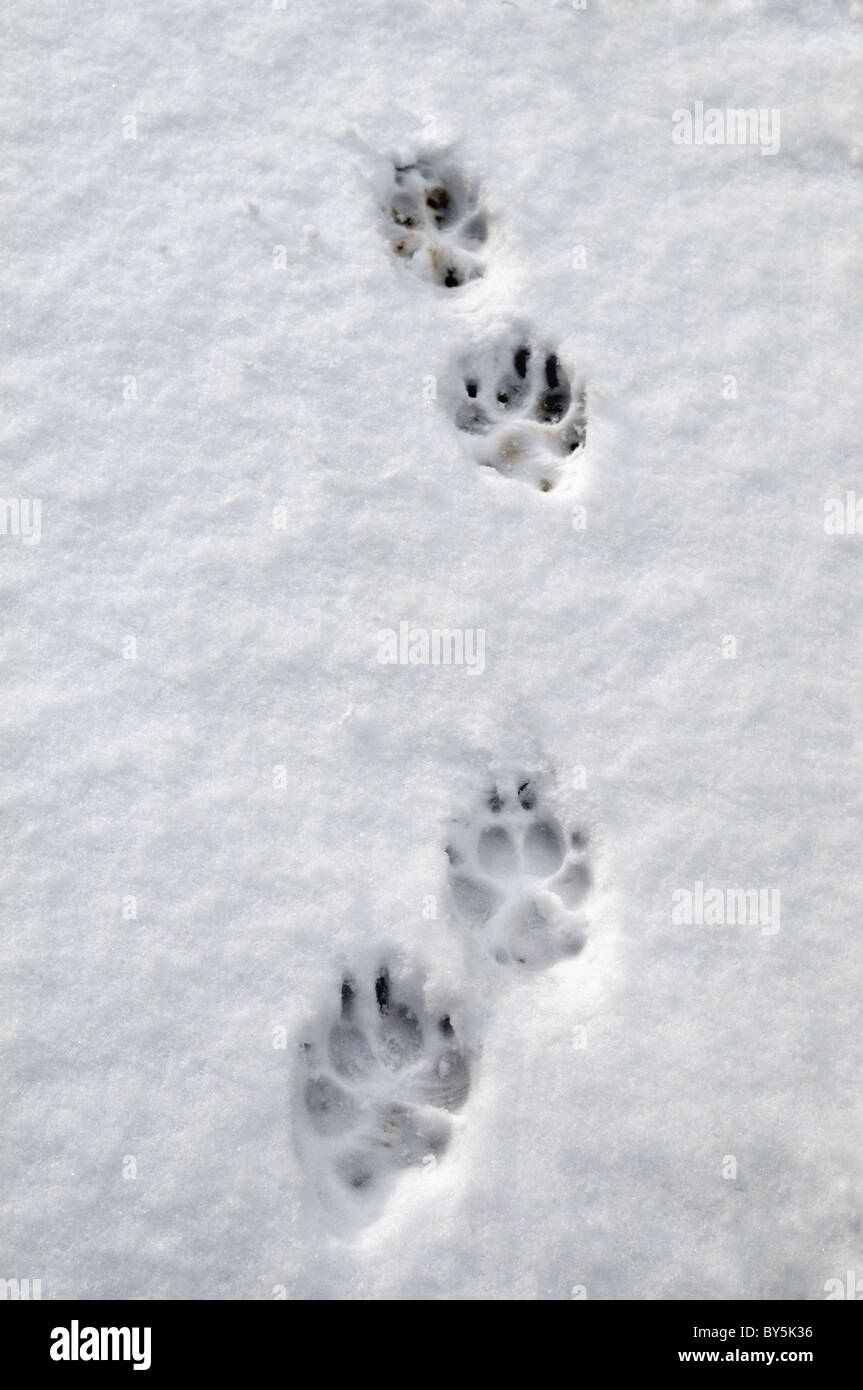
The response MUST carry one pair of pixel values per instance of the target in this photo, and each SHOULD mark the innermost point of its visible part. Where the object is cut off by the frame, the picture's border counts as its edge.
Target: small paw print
(432, 222)
(518, 878)
(526, 416)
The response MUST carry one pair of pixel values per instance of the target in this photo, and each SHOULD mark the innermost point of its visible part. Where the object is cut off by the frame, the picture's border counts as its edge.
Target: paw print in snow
(432, 222)
(379, 1081)
(518, 879)
(525, 415)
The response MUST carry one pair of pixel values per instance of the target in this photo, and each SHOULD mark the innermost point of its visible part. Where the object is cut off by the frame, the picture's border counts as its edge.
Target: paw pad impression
(379, 1082)
(432, 221)
(518, 878)
(524, 413)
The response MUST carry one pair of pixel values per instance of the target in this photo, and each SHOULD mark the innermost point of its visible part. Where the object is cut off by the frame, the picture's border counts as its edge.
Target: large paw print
(379, 1081)
(526, 416)
(432, 221)
(518, 879)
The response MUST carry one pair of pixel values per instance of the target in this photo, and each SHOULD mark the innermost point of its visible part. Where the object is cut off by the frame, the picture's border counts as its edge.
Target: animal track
(379, 1083)
(516, 876)
(526, 416)
(432, 220)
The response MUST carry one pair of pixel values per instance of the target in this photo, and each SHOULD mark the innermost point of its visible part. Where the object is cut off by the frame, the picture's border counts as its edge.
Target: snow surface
(204, 323)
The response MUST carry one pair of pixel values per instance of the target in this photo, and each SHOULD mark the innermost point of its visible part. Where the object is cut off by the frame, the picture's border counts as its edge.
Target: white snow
(231, 400)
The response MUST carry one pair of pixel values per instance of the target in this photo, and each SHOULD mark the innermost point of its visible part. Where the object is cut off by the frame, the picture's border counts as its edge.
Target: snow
(232, 400)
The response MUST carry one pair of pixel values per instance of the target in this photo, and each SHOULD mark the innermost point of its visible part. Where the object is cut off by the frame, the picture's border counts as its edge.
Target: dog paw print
(381, 1078)
(525, 414)
(519, 879)
(433, 222)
